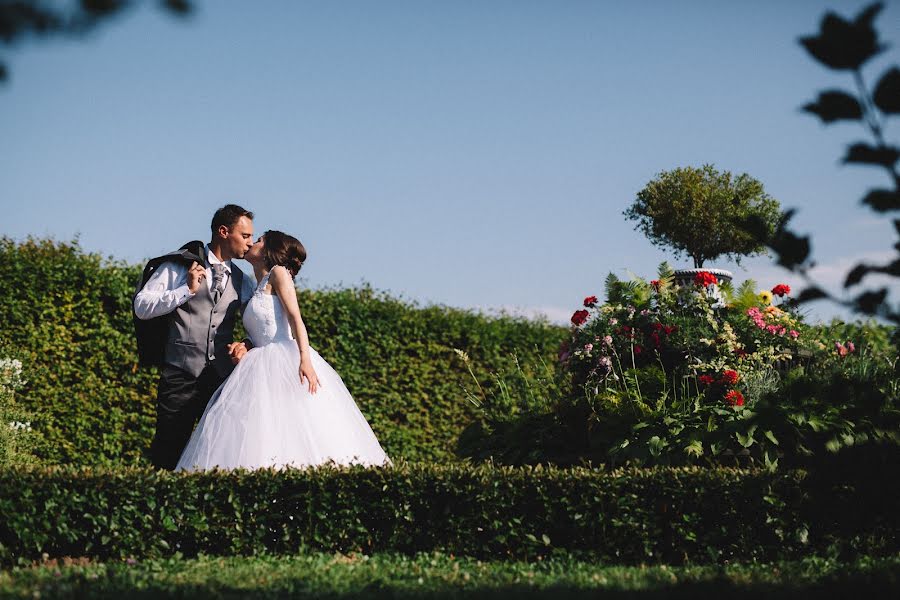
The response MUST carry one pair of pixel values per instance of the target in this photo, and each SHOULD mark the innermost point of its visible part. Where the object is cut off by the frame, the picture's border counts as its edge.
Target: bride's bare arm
(283, 287)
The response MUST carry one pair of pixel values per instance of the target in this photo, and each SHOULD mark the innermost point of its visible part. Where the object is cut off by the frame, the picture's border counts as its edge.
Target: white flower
(613, 321)
(608, 340)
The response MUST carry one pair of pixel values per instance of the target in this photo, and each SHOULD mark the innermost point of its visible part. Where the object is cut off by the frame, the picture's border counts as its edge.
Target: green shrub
(622, 517)
(69, 315)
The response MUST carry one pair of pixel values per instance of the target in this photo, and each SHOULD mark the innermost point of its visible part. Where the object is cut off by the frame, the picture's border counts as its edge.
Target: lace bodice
(264, 317)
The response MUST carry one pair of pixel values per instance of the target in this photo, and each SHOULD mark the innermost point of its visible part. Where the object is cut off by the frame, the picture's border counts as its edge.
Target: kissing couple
(269, 400)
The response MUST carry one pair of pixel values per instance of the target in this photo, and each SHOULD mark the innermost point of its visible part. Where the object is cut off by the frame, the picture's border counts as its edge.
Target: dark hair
(283, 249)
(228, 215)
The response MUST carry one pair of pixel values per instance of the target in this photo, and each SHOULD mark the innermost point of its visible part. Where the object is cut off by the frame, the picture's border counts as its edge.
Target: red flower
(707, 379)
(670, 329)
(740, 352)
(734, 398)
(637, 350)
(654, 337)
(590, 301)
(705, 279)
(655, 284)
(657, 326)
(730, 377)
(781, 289)
(579, 317)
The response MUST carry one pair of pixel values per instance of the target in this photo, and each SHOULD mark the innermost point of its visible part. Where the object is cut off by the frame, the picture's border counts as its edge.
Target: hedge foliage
(662, 515)
(67, 312)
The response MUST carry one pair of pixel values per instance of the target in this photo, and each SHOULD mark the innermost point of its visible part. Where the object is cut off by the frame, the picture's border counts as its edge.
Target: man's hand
(236, 351)
(196, 275)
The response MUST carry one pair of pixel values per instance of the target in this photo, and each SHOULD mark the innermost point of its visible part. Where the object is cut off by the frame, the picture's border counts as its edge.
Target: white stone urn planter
(684, 278)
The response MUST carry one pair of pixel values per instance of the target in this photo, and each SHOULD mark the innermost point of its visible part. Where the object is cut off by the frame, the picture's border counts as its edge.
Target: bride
(283, 405)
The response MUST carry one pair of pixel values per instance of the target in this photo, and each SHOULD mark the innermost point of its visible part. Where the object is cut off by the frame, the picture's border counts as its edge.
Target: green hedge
(663, 515)
(68, 313)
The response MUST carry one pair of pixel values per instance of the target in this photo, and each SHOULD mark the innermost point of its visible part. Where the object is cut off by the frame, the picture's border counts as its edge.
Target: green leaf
(656, 445)
(771, 436)
(695, 448)
(746, 439)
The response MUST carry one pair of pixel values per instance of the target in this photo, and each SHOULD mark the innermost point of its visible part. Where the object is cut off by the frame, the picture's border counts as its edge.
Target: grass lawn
(444, 576)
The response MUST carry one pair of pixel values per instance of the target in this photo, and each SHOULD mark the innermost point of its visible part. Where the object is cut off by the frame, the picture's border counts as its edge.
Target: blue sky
(477, 154)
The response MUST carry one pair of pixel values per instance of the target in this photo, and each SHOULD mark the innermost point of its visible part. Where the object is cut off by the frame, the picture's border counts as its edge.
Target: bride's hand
(307, 372)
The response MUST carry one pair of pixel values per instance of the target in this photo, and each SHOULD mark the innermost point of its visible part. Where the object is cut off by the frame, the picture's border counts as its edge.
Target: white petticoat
(262, 416)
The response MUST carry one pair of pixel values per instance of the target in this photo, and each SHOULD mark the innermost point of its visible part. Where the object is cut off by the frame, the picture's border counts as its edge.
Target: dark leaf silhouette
(856, 275)
(792, 250)
(887, 93)
(892, 268)
(845, 45)
(18, 18)
(882, 200)
(868, 303)
(835, 105)
(884, 156)
(809, 294)
(102, 7)
(180, 7)
(44, 19)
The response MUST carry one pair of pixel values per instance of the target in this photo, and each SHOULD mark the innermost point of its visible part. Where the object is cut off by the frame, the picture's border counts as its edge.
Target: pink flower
(608, 340)
(588, 348)
(851, 347)
(794, 333)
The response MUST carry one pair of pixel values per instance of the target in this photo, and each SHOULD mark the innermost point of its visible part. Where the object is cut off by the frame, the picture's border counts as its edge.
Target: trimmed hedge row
(68, 314)
(663, 515)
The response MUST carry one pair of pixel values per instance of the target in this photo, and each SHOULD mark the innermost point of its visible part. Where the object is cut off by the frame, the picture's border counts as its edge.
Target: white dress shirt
(167, 288)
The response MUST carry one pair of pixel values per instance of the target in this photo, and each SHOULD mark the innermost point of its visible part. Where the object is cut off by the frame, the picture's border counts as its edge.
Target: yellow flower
(765, 297)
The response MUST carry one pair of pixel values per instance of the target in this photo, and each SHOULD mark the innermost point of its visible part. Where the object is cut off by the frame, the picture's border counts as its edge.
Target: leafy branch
(846, 45)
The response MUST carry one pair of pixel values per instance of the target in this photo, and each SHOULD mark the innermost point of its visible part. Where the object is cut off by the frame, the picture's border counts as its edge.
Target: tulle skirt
(262, 416)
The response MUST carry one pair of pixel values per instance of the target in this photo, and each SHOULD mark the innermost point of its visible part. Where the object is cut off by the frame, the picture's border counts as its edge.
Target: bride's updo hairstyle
(283, 249)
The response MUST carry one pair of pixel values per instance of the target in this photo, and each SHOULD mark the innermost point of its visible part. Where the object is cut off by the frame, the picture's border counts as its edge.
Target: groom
(201, 301)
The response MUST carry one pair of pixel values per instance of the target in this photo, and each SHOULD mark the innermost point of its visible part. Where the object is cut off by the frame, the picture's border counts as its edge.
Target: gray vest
(200, 330)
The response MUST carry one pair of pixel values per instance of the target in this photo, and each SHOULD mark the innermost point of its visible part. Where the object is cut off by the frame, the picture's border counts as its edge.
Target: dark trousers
(180, 402)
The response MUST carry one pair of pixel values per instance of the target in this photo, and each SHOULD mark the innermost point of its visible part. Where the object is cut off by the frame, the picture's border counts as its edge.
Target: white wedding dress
(262, 416)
